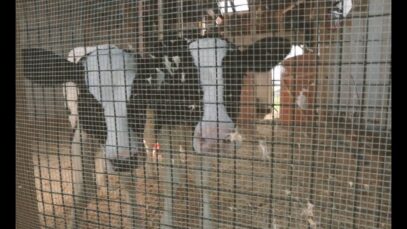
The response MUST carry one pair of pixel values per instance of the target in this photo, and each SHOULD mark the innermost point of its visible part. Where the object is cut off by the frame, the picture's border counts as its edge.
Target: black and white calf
(196, 83)
(104, 91)
(200, 85)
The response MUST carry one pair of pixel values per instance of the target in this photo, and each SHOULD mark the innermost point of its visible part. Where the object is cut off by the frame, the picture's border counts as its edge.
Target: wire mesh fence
(203, 114)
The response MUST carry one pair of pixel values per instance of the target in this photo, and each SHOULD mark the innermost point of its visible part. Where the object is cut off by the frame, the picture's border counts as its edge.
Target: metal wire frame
(318, 157)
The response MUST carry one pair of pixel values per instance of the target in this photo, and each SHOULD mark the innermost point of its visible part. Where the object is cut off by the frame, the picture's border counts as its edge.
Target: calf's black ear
(266, 53)
(46, 68)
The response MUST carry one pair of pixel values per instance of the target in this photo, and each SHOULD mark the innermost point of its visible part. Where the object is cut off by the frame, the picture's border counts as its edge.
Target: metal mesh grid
(133, 131)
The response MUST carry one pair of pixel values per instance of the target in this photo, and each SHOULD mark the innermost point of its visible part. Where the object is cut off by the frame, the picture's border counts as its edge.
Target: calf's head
(109, 76)
(105, 77)
(214, 132)
(221, 68)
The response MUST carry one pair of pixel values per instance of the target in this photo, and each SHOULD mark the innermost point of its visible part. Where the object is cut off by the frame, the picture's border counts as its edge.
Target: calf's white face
(109, 78)
(214, 133)
(97, 82)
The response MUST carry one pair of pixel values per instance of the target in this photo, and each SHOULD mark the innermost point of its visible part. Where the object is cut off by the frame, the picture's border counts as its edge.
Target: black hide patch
(91, 116)
(265, 53)
(137, 105)
(233, 73)
(178, 100)
(128, 164)
(46, 68)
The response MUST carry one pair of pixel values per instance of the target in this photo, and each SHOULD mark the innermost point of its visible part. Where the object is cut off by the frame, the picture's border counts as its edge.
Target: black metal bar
(272, 156)
(26, 195)
(57, 136)
(314, 133)
(38, 150)
(292, 145)
(173, 189)
(101, 99)
(382, 168)
(357, 195)
(186, 142)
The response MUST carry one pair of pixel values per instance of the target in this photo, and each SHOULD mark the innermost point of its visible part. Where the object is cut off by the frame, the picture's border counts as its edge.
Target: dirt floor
(281, 177)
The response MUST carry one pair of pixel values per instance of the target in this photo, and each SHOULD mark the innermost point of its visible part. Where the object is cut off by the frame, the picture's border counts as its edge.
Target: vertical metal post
(26, 200)
(140, 27)
(160, 20)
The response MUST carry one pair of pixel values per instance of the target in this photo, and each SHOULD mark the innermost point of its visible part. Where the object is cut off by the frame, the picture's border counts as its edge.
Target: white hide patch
(208, 54)
(216, 124)
(296, 50)
(70, 93)
(176, 60)
(235, 137)
(343, 9)
(278, 71)
(301, 99)
(160, 77)
(76, 54)
(167, 64)
(111, 86)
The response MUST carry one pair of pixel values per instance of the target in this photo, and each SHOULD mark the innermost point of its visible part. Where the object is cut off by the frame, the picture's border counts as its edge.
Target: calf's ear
(266, 53)
(46, 68)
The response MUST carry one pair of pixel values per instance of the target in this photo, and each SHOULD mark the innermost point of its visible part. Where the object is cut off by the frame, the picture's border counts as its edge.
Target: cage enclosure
(203, 114)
